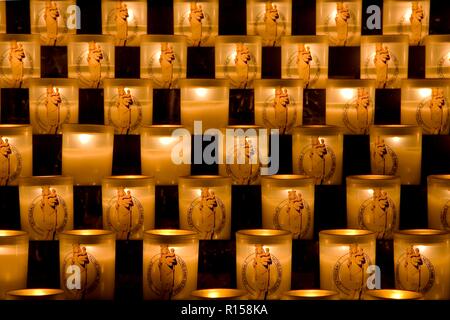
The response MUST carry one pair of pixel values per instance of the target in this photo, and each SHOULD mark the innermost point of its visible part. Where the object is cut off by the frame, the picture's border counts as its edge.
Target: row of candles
(263, 263)
(163, 59)
(350, 104)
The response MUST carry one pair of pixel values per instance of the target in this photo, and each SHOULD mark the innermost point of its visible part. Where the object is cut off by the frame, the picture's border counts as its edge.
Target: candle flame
(166, 140)
(84, 138)
(201, 92)
(425, 92)
(407, 14)
(396, 139)
(347, 93)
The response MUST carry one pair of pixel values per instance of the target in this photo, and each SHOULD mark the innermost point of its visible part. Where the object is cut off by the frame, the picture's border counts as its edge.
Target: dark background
(217, 258)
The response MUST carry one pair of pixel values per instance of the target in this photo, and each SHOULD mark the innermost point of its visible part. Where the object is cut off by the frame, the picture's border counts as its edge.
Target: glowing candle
(392, 294)
(439, 202)
(219, 294)
(87, 264)
(421, 261)
(36, 294)
(206, 101)
(46, 206)
(310, 294)
(170, 264)
(437, 56)
(13, 261)
(317, 153)
(159, 149)
(373, 203)
(288, 204)
(396, 150)
(345, 255)
(351, 105)
(87, 152)
(263, 262)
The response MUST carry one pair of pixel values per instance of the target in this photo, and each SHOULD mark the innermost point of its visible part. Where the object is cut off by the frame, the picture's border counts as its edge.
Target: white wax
(13, 268)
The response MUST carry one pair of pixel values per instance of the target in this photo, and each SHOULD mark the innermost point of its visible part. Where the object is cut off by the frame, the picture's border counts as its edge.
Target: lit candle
(263, 262)
(345, 255)
(340, 21)
(238, 59)
(439, 202)
(197, 20)
(392, 294)
(437, 56)
(159, 149)
(128, 205)
(16, 159)
(87, 264)
(206, 101)
(305, 58)
(424, 103)
(2, 17)
(407, 17)
(421, 262)
(205, 206)
(269, 19)
(310, 294)
(278, 104)
(288, 204)
(243, 150)
(46, 206)
(13, 261)
(373, 203)
(163, 59)
(87, 152)
(53, 102)
(385, 59)
(128, 105)
(351, 105)
(396, 150)
(90, 59)
(317, 153)
(36, 294)
(21, 59)
(219, 294)
(125, 20)
(170, 264)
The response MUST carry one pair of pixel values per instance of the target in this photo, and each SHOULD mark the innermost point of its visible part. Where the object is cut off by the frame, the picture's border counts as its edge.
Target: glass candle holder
(126, 21)
(351, 105)
(13, 261)
(238, 59)
(204, 100)
(305, 58)
(392, 294)
(21, 59)
(439, 202)
(53, 102)
(407, 17)
(128, 104)
(170, 264)
(385, 59)
(278, 104)
(164, 155)
(50, 20)
(437, 56)
(128, 205)
(87, 264)
(219, 294)
(90, 59)
(288, 204)
(310, 294)
(339, 21)
(373, 203)
(345, 255)
(2, 17)
(269, 19)
(424, 104)
(197, 20)
(244, 152)
(396, 150)
(205, 206)
(421, 261)
(163, 59)
(16, 146)
(87, 152)
(36, 294)
(263, 262)
(46, 206)
(317, 153)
